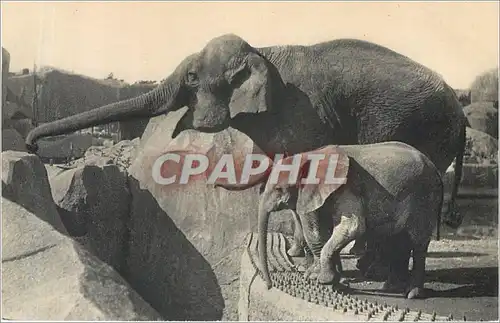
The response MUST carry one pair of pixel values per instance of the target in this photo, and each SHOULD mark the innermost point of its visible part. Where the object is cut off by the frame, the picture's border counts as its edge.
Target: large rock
(166, 268)
(214, 220)
(46, 277)
(483, 116)
(485, 87)
(12, 140)
(120, 154)
(480, 148)
(133, 129)
(93, 201)
(73, 145)
(23, 126)
(25, 182)
(142, 242)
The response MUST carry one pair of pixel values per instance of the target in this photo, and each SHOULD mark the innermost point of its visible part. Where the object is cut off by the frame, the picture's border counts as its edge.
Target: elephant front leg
(316, 233)
(299, 242)
(351, 226)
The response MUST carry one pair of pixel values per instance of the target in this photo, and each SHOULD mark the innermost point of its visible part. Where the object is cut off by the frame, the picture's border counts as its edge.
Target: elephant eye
(192, 78)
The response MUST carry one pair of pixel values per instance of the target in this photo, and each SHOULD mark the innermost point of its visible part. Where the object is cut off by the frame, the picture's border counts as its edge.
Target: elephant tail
(263, 225)
(454, 219)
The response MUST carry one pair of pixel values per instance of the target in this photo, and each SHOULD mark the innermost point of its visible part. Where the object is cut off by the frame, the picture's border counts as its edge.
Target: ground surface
(462, 279)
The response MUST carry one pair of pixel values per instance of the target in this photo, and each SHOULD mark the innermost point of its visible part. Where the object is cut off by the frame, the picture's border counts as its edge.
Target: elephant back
(392, 166)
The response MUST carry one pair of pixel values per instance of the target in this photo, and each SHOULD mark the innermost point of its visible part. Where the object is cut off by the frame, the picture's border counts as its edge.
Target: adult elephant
(298, 98)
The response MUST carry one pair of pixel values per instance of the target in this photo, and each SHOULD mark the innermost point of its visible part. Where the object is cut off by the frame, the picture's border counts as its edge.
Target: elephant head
(226, 78)
(301, 193)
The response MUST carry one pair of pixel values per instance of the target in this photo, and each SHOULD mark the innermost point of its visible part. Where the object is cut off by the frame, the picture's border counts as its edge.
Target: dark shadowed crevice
(125, 243)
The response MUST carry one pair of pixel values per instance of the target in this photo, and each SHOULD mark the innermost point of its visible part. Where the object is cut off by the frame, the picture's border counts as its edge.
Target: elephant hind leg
(396, 251)
(416, 287)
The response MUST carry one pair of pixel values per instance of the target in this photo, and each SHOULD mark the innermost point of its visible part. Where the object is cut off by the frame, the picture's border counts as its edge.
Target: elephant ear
(331, 174)
(255, 80)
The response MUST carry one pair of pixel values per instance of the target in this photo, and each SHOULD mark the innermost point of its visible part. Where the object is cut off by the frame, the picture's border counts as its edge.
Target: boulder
(142, 242)
(483, 116)
(480, 148)
(485, 87)
(93, 201)
(23, 126)
(166, 267)
(133, 129)
(213, 220)
(25, 182)
(12, 140)
(45, 276)
(73, 145)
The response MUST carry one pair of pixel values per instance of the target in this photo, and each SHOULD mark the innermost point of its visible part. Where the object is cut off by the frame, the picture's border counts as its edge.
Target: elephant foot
(328, 277)
(296, 250)
(313, 271)
(415, 293)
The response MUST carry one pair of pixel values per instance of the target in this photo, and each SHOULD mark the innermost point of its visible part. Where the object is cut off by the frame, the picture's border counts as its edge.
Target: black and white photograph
(249, 161)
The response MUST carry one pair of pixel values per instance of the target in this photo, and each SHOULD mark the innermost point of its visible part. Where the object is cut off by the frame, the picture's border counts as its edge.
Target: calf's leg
(352, 225)
(299, 242)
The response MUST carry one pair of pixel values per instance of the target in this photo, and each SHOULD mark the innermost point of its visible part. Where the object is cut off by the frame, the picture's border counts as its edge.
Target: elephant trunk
(263, 224)
(164, 98)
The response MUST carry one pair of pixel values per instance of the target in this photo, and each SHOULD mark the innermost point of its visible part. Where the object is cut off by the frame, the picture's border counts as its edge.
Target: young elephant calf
(391, 189)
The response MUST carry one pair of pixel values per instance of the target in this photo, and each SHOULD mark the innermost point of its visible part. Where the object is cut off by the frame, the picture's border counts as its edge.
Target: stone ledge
(325, 304)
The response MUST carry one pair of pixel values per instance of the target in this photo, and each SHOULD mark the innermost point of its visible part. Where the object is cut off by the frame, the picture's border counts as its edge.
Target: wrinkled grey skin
(298, 98)
(392, 190)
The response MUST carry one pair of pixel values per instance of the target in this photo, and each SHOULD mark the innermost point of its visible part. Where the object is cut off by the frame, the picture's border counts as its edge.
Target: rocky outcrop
(126, 227)
(483, 116)
(92, 201)
(23, 126)
(485, 87)
(25, 182)
(45, 274)
(73, 145)
(182, 245)
(215, 221)
(12, 140)
(480, 148)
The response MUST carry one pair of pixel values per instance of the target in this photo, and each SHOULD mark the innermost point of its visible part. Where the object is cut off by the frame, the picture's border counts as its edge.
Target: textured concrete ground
(462, 279)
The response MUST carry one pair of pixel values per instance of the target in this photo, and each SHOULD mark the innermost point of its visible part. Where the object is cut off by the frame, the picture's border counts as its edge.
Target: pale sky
(138, 40)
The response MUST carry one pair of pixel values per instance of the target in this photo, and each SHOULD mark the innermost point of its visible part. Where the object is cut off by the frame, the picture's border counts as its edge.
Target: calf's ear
(331, 174)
